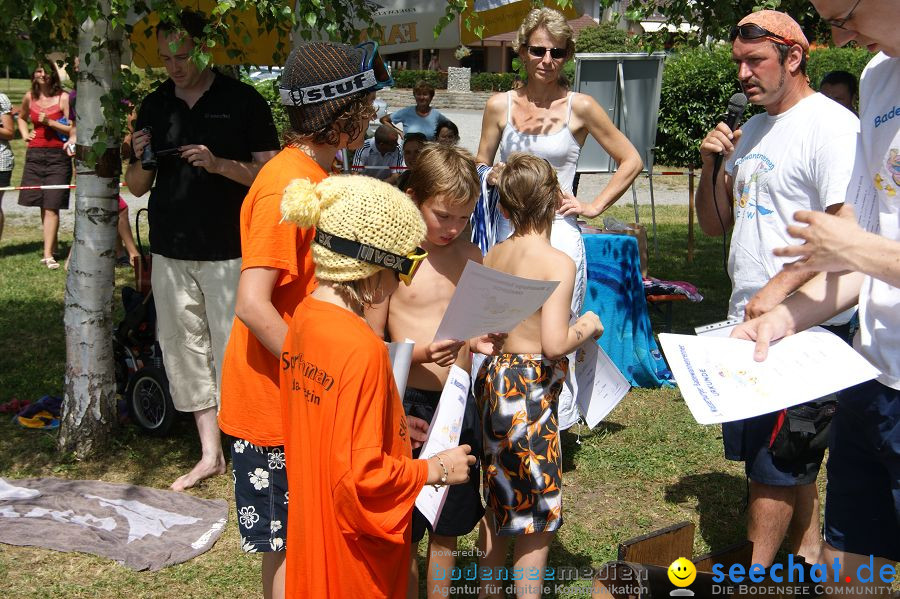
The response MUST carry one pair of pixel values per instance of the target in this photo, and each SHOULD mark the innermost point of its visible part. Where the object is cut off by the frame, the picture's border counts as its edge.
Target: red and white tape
(36, 187)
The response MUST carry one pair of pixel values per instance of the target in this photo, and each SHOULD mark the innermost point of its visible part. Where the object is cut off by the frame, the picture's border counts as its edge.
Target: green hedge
(481, 82)
(852, 60)
(407, 78)
(493, 82)
(697, 84)
(695, 90)
(605, 37)
(267, 90)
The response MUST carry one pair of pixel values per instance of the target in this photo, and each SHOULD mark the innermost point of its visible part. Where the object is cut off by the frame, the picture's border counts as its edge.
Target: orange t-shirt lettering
(351, 478)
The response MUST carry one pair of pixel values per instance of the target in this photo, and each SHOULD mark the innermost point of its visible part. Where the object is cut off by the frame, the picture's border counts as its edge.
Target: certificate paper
(721, 382)
(489, 301)
(443, 434)
(400, 354)
(600, 384)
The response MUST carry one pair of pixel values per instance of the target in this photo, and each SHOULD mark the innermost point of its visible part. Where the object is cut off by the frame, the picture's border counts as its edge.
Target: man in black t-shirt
(224, 132)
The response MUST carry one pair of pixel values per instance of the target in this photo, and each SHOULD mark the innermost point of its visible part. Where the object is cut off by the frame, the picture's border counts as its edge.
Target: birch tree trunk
(89, 401)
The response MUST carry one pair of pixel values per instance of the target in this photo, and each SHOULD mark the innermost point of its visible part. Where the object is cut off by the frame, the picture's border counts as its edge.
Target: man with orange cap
(862, 508)
(797, 155)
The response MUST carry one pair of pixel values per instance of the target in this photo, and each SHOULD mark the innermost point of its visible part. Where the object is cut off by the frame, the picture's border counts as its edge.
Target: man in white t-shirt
(379, 155)
(797, 155)
(862, 508)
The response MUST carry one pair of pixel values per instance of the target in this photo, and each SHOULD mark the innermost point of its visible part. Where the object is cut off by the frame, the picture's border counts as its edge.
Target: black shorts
(5, 178)
(46, 166)
(862, 501)
(462, 508)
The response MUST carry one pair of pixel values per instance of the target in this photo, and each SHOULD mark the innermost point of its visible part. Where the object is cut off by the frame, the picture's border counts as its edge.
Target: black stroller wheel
(150, 401)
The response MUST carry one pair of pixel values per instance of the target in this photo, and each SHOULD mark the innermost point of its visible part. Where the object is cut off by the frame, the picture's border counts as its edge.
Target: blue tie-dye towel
(615, 292)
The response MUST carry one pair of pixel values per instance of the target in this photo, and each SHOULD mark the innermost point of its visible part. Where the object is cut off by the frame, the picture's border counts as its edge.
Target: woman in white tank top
(545, 119)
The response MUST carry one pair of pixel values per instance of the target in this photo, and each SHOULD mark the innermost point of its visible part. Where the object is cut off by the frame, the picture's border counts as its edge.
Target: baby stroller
(140, 375)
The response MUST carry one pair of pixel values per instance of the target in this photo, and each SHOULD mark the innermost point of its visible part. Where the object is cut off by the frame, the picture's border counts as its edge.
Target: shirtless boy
(444, 184)
(518, 390)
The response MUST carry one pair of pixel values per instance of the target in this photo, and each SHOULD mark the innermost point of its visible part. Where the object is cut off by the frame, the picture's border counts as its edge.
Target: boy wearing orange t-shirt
(444, 184)
(277, 272)
(351, 475)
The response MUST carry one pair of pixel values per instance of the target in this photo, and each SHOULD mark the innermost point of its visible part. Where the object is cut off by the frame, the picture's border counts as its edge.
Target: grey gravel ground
(667, 189)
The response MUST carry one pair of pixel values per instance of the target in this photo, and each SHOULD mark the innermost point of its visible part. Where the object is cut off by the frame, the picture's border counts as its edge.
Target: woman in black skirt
(46, 106)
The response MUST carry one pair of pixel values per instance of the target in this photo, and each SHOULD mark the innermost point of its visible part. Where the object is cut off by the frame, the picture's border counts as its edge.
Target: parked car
(264, 73)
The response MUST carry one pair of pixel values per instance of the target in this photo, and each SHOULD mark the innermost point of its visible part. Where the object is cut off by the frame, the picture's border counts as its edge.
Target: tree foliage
(605, 37)
(38, 27)
(714, 18)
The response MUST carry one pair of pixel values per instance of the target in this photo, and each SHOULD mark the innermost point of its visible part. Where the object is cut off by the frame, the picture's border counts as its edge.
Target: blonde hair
(444, 170)
(529, 192)
(360, 293)
(551, 20)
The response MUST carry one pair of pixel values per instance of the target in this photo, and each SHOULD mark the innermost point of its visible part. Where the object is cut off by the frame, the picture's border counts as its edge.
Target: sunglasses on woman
(541, 51)
(752, 31)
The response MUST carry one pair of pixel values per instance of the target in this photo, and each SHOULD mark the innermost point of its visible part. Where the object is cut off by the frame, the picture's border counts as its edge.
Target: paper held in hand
(489, 301)
(721, 382)
(443, 434)
(400, 354)
(600, 384)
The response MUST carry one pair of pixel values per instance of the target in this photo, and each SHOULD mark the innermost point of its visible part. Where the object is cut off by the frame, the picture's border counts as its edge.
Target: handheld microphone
(736, 105)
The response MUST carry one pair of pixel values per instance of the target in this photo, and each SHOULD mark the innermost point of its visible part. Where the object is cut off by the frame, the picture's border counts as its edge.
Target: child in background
(444, 185)
(125, 238)
(347, 440)
(447, 133)
(518, 390)
(412, 145)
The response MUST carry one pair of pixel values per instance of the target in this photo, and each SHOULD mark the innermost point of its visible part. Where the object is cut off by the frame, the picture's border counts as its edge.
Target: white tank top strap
(569, 108)
(509, 108)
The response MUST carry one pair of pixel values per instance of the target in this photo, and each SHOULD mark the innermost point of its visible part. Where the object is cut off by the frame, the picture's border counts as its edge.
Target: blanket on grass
(139, 527)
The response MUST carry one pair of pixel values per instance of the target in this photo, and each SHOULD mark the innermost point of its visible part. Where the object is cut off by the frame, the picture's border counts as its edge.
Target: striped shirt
(369, 156)
(6, 155)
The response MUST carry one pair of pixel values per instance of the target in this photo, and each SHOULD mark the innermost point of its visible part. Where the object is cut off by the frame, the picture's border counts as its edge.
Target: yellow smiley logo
(682, 572)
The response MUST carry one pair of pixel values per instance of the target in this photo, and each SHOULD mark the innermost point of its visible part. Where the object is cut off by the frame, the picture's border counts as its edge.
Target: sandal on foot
(50, 263)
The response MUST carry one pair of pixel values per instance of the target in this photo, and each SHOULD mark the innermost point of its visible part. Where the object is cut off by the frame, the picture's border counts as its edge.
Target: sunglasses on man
(752, 31)
(404, 267)
(541, 51)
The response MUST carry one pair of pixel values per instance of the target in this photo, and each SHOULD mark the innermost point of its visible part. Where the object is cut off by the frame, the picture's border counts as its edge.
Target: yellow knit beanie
(358, 208)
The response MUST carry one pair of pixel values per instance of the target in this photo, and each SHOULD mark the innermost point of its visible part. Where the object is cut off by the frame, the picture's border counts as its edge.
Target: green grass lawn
(649, 465)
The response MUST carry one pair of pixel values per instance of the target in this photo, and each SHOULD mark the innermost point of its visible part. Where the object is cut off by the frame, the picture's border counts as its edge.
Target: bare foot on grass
(203, 470)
